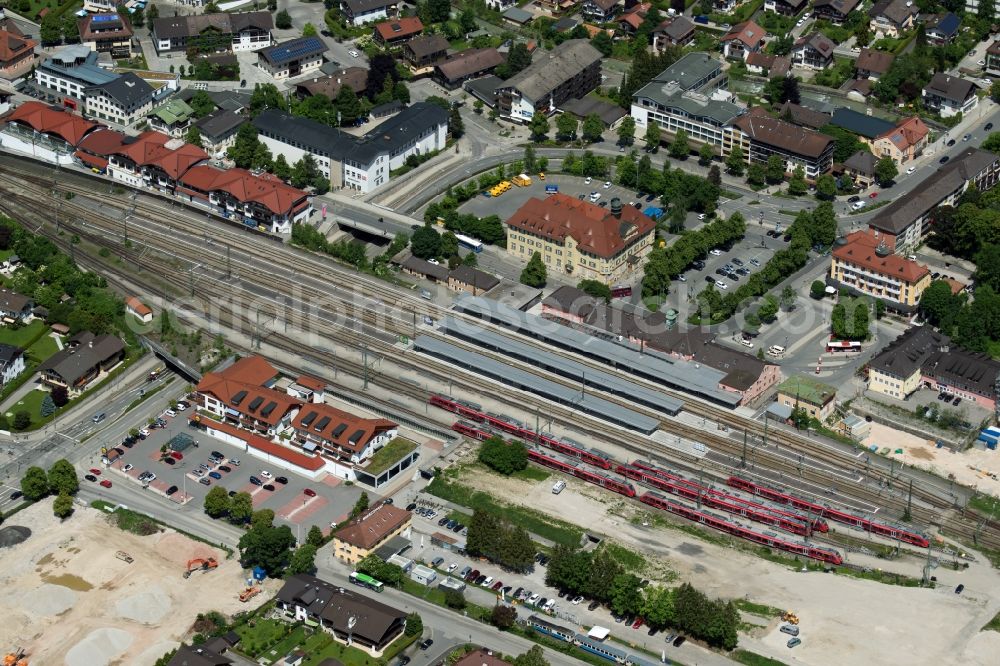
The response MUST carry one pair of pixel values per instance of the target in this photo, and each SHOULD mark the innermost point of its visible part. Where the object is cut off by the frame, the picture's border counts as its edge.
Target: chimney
(616, 207)
(91, 344)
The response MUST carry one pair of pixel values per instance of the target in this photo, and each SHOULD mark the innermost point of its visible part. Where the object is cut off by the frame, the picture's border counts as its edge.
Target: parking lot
(747, 256)
(193, 473)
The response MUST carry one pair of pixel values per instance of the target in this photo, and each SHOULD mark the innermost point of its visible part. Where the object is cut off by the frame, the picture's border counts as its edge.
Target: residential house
(359, 12)
(872, 64)
(17, 52)
(804, 392)
(905, 142)
(950, 95)
(677, 31)
(11, 363)
(785, 7)
(242, 395)
(685, 96)
(768, 65)
(519, 17)
(892, 18)
(941, 29)
(350, 617)
(425, 50)
(395, 32)
(14, 306)
(421, 268)
(610, 114)
(553, 7)
(742, 40)
(759, 136)
(471, 280)
(835, 11)
(293, 58)
(172, 118)
(218, 130)
(213, 33)
(355, 78)
(865, 126)
(571, 69)
(579, 238)
(261, 200)
(993, 59)
(601, 11)
(863, 264)
(125, 100)
(482, 657)
(631, 20)
(814, 51)
(107, 33)
(366, 533)
(138, 309)
(803, 116)
(464, 65)
(860, 167)
(210, 653)
(84, 359)
(341, 436)
(904, 222)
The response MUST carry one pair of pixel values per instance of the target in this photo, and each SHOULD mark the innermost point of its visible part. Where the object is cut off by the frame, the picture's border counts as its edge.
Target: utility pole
(909, 503)
(229, 262)
(743, 457)
(699, 488)
(364, 363)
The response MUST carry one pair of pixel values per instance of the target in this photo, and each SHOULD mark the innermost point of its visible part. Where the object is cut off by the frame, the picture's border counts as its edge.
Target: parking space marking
(298, 512)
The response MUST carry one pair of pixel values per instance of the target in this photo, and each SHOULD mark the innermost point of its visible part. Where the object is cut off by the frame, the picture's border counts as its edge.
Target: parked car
(170, 413)
(280, 479)
(205, 481)
(17, 494)
(171, 490)
(215, 475)
(177, 455)
(496, 586)
(488, 581)
(532, 599)
(427, 643)
(268, 486)
(473, 575)
(988, 127)
(679, 641)
(792, 642)
(480, 579)
(265, 474)
(106, 483)
(169, 461)
(224, 468)
(443, 521)
(638, 622)
(255, 481)
(594, 605)
(715, 252)
(235, 462)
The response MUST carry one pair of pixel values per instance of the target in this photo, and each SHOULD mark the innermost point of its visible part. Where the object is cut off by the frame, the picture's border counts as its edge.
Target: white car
(607, 184)
(576, 601)
(981, 63)
(715, 252)
(144, 432)
(126, 468)
(488, 581)
(150, 477)
(170, 412)
(589, 180)
(452, 567)
(701, 216)
(235, 462)
(533, 598)
(721, 285)
(267, 475)
(180, 407)
(801, 21)
(911, 169)
(594, 197)
(352, 53)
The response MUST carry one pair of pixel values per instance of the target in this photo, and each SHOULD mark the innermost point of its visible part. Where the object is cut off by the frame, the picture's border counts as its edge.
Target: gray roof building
(518, 15)
(11, 301)
(581, 108)
(862, 124)
(473, 277)
(79, 63)
(219, 124)
(803, 116)
(418, 266)
(128, 90)
(871, 61)
(679, 90)
(953, 88)
(198, 655)
(177, 27)
(862, 162)
(468, 63)
(75, 362)
(554, 68)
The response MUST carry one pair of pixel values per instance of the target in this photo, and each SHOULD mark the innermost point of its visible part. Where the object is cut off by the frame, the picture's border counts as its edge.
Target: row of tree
(427, 243)
(61, 481)
(494, 537)
(665, 264)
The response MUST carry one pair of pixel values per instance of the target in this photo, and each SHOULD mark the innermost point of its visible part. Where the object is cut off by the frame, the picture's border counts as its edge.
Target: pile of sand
(147, 607)
(48, 599)
(99, 648)
(13, 535)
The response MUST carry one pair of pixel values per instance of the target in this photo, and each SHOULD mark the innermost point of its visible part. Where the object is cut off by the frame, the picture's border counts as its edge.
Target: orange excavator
(249, 593)
(16, 658)
(200, 564)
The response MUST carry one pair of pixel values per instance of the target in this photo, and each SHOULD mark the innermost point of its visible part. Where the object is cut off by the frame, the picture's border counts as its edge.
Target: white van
(776, 350)
(746, 343)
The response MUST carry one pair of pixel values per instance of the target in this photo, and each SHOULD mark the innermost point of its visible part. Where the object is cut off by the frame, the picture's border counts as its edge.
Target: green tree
(268, 548)
(788, 298)
(62, 507)
(539, 127)
(454, 599)
(529, 159)
(534, 273)
(626, 131)
(503, 617)
(860, 330)
(348, 106)
(70, 28)
(426, 242)
(602, 42)
(240, 508)
(658, 607)
(566, 125)
(34, 484)
(593, 128)
(50, 30)
(201, 104)
(361, 505)
(735, 162)
(652, 136)
(60, 395)
(414, 625)
(455, 124)
(715, 175)
(315, 536)
(756, 175)
(768, 309)
(705, 154)
(281, 168)
(518, 58)
(22, 419)
(885, 171)
(266, 96)
(193, 136)
(775, 169)
(449, 244)
(596, 289)
(626, 599)
(303, 560)
(826, 186)
(282, 20)
(308, 30)
(535, 656)
(797, 184)
(48, 407)
(680, 147)
(987, 262)
(502, 457)
(992, 142)
(62, 478)
(217, 502)
(152, 13)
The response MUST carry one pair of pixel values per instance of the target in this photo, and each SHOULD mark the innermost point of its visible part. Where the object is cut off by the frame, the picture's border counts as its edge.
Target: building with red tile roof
(742, 40)
(52, 121)
(294, 458)
(359, 538)
(138, 309)
(398, 31)
(98, 146)
(904, 142)
(17, 54)
(155, 160)
(241, 395)
(866, 265)
(259, 199)
(337, 434)
(580, 238)
(759, 136)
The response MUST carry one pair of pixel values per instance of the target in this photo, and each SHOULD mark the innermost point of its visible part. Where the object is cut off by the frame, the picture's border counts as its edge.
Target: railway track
(301, 264)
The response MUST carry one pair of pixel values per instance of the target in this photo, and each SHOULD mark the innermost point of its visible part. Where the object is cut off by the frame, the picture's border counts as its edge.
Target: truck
(522, 180)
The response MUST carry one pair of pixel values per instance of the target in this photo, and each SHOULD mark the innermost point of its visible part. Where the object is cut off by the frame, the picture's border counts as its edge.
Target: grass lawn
(994, 624)
(985, 504)
(255, 640)
(389, 455)
(32, 403)
(42, 349)
(23, 337)
(531, 473)
(754, 659)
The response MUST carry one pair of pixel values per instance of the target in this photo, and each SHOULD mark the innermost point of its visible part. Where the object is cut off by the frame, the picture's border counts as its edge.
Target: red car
(638, 623)
(106, 483)
(309, 492)
(873, 195)
(177, 455)
(95, 471)
(496, 586)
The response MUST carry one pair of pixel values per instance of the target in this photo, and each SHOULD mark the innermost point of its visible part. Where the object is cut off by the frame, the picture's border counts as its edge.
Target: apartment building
(125, 100)
(296, 57)
(107, 33)
(340, 435)
(742, 40)
(581, 239)
(950, 95)
(242, 395)
(359, 12)
(759, 136)
(835, 11)
(213, 33)
(363, 535)
(689, 95)
(785, 7)
(570, 70)
(814, 51)
(865, 265)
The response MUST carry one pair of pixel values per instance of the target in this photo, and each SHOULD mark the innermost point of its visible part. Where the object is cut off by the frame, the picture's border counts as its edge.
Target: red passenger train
(765, 539)
(573, 468)
(866, 524)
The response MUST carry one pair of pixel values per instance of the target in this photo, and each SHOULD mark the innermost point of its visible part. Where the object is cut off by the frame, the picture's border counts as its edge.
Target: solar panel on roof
(255, 403)
(291, 51)
(103, 18)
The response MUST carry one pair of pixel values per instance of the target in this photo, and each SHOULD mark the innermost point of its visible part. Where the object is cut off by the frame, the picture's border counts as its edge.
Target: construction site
(82, 592)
